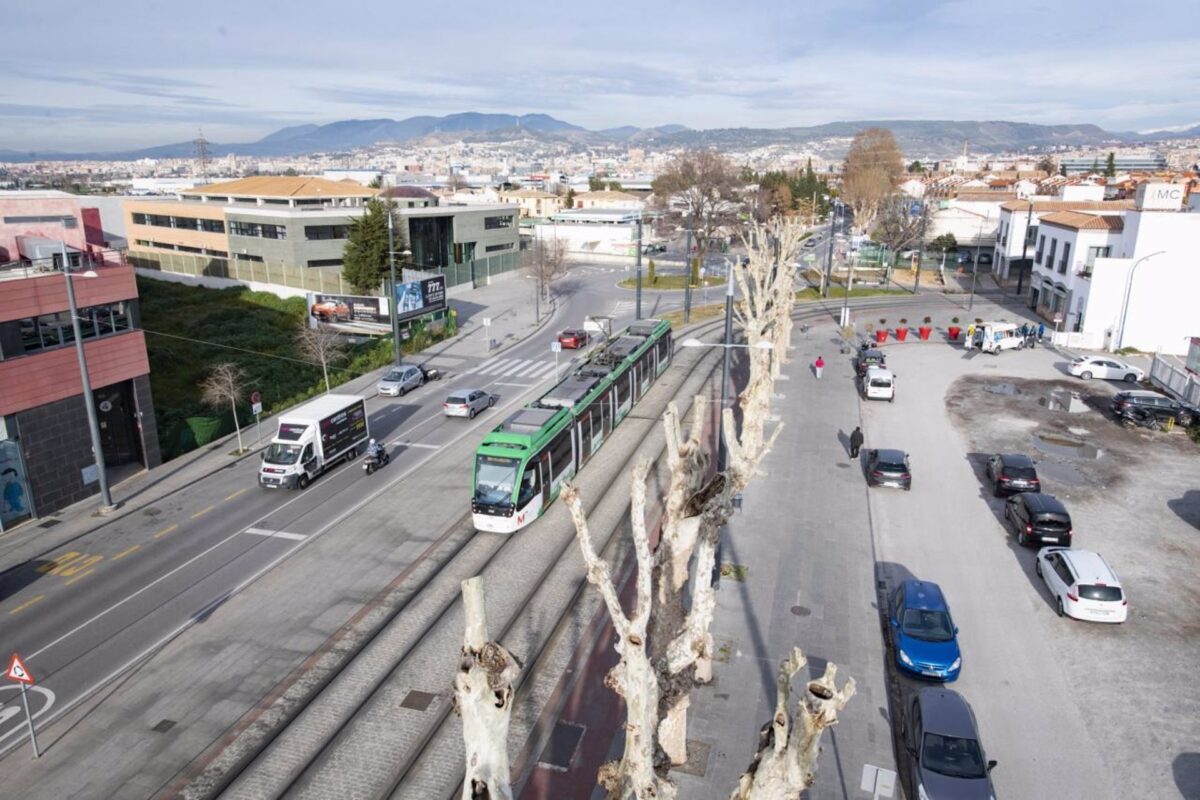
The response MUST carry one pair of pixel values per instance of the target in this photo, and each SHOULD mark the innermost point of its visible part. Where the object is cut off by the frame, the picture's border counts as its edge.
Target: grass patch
(699, 314)
(736, 572)
(669, 282)
(837, 290)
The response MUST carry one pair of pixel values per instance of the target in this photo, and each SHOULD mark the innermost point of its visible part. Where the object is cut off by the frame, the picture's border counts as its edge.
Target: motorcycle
(373, 463)
(1133, 417)
(429, 373)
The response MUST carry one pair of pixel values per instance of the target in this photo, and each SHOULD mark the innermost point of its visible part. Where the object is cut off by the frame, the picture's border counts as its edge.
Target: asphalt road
(90, 611)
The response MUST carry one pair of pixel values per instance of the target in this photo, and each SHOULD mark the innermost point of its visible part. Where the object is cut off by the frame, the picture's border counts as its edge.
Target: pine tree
(1095, 165)
(365, 258)
(1110, 166)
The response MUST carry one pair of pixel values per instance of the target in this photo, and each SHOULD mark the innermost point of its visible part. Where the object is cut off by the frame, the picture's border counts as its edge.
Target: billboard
(416, 298)
(347, 309)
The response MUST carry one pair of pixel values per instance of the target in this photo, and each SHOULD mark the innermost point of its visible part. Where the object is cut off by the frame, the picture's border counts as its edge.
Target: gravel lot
(1069, 709)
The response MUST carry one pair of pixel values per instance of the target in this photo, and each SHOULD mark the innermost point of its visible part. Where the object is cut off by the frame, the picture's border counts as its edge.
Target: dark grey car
(942, 741)
(888, 468)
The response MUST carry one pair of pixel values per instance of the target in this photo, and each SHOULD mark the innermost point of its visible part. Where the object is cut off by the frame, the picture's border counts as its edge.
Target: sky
(91, 77)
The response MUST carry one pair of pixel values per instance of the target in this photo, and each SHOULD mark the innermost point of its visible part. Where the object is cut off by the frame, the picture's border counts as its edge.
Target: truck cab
(312, 438)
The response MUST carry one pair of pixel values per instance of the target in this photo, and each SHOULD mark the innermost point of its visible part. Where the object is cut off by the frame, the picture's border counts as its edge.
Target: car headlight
(957, 663)
(904, 657)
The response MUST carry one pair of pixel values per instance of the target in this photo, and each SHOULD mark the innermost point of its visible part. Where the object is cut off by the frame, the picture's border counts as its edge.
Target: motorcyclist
(374, 450)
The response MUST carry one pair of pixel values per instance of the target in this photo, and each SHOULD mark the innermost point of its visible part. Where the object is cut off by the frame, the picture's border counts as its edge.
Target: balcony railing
(40, 267)
(1083, 269)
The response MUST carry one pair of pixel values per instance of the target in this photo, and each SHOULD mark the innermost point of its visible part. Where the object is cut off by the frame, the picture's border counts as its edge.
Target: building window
(139, 219)
(322, 232)
(1031, 234)
(1096, 252)
(325, 262)
(48, 331)
(492, 248)
(274, 231)
(1066, 258)
(211, 225)
(1050, 255)
(495, 223)
(1037, 259)
(65, 221)
(247, 257)
(239, 228)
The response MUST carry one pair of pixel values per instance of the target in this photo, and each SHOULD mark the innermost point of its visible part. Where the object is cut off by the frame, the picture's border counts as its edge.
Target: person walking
(971, 335)
(856, 442)
(819, 366)
(1041, 330)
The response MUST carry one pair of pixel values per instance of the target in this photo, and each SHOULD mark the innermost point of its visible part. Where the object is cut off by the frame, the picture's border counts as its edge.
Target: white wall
(1162, 312)
(583, 239)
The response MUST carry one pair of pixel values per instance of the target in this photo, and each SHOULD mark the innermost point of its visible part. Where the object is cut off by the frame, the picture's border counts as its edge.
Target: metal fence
(1175, 379)
(479, 271)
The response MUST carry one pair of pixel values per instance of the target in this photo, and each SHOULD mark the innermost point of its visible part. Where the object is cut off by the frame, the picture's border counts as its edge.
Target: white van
(992, 337)
(879, 384)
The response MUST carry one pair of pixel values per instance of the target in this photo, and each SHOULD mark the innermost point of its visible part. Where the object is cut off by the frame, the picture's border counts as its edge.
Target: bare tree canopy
(224, 384)
(546, 261)
(320, 347)
(874, 165)
(896, 225)
(701, 188)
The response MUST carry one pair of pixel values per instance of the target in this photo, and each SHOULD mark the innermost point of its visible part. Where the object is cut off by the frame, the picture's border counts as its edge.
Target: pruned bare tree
(786, 761)
(224, 384)
(546, 261)
(874, 165)
(320, 347)
(483, 697)
(896, 226)
(701, 189)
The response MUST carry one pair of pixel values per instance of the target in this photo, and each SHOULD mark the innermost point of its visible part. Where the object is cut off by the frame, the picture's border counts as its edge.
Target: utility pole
(639, 266)
(1025, 248)
(721, 454)
(829, 252)
(392, 300)
(687, 281)
(921, 246)
(975, 266)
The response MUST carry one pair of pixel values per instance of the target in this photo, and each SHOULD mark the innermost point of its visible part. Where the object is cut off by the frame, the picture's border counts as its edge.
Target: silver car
(400, 380)
(468, 403)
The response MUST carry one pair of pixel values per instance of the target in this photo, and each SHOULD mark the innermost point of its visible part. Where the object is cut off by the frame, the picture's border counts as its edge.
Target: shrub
(954, 320)
(928, 320)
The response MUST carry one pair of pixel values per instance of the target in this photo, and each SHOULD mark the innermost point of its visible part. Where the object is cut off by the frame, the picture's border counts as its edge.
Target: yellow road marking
(239, 491)
(202, 512)
(69, 581)
(165, 531)
(26, 604)
(126, 552)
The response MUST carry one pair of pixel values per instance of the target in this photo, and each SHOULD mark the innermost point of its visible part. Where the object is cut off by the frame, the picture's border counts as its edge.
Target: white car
(1088, 367)
(879, 384)
(400, 380)
(1083, 584)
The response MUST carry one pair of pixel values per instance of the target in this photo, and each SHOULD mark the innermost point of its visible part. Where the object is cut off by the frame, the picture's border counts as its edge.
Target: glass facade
(15, 502)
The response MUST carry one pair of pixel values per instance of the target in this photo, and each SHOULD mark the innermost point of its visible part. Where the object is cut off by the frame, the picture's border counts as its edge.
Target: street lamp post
(393, 300)
(829, 248)
(639, 266)
(89, 401)
(975, 266)
(921, 246)
(1119, 339)
(1025, 249)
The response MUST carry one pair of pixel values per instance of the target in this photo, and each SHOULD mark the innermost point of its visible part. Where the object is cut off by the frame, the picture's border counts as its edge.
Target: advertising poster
(346, 310)
(14, 492)
(416, 298)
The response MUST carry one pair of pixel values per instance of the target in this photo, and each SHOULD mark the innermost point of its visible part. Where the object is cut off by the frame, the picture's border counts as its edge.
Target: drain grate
(164, 726)
(563, 745)
(50, 523)
(417, 701)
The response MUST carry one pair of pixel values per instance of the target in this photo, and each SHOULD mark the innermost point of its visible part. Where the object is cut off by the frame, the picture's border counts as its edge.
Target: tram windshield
(494, 479)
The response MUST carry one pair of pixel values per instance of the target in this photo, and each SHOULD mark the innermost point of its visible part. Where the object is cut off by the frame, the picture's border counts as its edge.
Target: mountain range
(917, 138)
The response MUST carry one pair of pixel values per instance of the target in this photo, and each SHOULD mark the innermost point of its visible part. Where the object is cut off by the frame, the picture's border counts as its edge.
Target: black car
(1012, 472)
(1159, 406)
(942, 740)
(888, 468)
(869, 358)
(1039, 518)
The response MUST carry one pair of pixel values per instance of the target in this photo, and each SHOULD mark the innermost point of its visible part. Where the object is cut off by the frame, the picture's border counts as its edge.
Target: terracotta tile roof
(1084, 222)
(1069, 205)
(283, 186)
(985, 196)
(530, 194)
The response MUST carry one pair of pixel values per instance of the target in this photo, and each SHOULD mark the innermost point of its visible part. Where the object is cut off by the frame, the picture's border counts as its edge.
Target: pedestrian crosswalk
(622, 307)
(514, 368)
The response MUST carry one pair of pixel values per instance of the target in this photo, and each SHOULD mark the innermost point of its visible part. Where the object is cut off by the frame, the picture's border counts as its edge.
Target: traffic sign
(256, 398)
(256, 408)
(556, 347)
(17, 671)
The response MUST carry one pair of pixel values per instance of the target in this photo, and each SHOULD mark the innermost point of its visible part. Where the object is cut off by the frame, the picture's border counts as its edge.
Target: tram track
(322, 735)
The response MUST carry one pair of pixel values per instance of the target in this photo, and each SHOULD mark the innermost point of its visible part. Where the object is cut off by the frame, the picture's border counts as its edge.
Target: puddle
(1057, 445)
(1064, 400)
(1008, 389)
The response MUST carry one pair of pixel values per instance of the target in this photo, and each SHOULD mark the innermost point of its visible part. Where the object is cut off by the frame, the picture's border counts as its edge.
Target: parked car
(984, 260)
(574, 338)
(879, 384)
(888, 468)
(869, 358)
(924, 634)
(467, 403)
(942, 740)
(1083, 585)
(1160, 406)
(400, 380)
(1012, 472)
(1037, 517)
(1088, 367)
(963, 257)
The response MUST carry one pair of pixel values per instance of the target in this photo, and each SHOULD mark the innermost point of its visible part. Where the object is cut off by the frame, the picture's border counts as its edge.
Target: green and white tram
(522, 464)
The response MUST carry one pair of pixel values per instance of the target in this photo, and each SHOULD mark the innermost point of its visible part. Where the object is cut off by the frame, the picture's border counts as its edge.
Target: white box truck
(312, 438)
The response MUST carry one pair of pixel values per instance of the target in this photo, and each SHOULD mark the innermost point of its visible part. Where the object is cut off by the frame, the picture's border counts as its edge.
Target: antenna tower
(201, 155)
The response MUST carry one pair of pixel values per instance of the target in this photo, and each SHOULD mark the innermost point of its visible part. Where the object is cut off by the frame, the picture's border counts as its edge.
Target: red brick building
(46, 457)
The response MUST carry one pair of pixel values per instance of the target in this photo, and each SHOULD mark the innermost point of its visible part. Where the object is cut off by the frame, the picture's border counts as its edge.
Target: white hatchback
(1088, 367)
(879, 384)
(1083, 584)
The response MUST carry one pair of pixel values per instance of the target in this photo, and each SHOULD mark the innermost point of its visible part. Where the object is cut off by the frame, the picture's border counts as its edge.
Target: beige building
(533, 203)
(597, 201)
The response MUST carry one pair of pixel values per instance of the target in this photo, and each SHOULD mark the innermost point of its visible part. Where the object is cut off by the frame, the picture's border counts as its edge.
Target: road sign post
(256, 409)
(487, 332)
(18, 673)
(556, 348)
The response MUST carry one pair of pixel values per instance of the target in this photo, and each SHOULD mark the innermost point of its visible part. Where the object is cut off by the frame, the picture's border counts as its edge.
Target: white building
(1112, 281)
(607, 199)
(605, 232)
(1017, 217)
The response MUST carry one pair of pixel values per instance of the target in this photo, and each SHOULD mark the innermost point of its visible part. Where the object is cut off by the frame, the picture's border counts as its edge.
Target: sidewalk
(508, 302)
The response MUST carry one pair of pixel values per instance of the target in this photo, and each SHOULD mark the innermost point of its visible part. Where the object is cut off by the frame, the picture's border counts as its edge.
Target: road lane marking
(80, 576)
(26, 604)
(202, 512)
(518, 385)
(422, 445)
(235, 494)
(126, 551)
(165, 531)
(298, 537)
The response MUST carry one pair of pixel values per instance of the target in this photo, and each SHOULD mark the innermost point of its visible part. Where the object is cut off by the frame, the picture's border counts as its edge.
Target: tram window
(560, 453)
(585, 434)
(529, 484)
(622, 385)
(664, 354)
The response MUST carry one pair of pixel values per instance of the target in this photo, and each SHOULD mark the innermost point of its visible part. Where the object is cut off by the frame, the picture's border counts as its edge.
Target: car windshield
(927, 625)
(1020, 472)
(282, 453)
(1107, 594)
(393, 375)
(494, 480)
(953, 757)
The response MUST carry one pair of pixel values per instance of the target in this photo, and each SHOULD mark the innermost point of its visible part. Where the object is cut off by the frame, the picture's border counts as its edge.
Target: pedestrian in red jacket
(819, 366)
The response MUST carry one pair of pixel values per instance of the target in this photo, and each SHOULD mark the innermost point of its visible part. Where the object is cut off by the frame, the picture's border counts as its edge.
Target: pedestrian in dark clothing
(856, 442)
(1024, 331)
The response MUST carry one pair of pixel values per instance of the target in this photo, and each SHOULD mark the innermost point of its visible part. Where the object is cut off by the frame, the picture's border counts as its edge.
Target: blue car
(925, 635)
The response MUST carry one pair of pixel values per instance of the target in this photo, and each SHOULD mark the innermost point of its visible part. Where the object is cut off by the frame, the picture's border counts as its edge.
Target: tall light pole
(975, 266)
(1119, 339)
(721, 455)
(639, 266)
(829, 248)
(921, 245)
(1025, 249)
(393, 301)
(89, 401)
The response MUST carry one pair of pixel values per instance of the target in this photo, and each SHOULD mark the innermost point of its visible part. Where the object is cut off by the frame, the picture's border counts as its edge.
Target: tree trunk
(236, 426)
(483, 694)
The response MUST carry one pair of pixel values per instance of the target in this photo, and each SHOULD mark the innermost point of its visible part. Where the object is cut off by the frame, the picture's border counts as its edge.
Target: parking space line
(421, 444)
(127, 551)
(299, 537)
(165, 531)
(26, 604)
